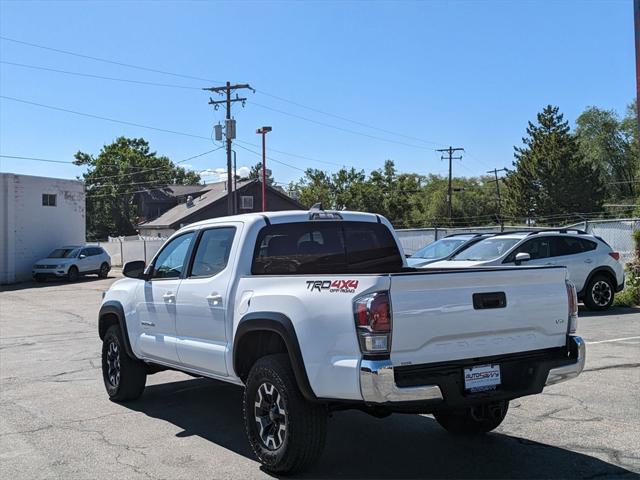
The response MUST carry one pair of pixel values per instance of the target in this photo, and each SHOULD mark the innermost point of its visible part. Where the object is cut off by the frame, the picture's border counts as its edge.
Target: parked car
(316, 311)
(72, 261)
(444, 248)
(594, 268)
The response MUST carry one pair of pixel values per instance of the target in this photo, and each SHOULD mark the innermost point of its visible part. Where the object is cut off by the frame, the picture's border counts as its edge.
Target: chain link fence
(617, 233)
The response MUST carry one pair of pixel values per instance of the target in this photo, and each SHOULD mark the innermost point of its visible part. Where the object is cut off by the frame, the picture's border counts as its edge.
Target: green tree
(551, 174)
(121, 169)
(610, 144)
(256, 174)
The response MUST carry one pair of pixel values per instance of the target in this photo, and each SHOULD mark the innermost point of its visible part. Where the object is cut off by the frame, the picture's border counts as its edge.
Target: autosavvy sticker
(333, 286)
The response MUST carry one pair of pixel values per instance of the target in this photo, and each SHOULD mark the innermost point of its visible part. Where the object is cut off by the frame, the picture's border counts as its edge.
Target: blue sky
(465, 73)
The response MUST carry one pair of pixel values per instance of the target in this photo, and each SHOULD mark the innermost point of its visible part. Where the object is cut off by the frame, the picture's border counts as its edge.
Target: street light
(263, 131)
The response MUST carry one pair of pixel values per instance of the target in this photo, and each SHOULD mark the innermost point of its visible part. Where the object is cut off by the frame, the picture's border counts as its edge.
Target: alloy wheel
(601, 293)
(113, 364)
(271, 416)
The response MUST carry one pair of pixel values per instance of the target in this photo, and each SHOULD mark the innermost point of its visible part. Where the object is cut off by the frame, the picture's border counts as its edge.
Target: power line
(158, 168)
(272, 159)
(102, 77)
(340, 117)
(303, 157)
(175, 132)
(71, 162)
(104, 60)
(99, 117)
(335, 127)
(192, 77)
(33, 159)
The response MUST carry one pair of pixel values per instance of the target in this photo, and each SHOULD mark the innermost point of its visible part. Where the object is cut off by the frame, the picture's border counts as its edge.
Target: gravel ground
(56, 420)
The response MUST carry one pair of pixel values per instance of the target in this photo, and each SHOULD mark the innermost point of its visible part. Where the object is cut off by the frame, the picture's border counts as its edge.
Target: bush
(630, 296)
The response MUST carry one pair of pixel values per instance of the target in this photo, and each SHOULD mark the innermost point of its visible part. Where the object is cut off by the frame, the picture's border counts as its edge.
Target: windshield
(440, 248)
(487, 249)
(64, 253)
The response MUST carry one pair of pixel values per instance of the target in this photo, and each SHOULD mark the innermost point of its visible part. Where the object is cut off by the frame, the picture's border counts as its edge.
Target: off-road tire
(131, 374)
(73, 274)
(305, 422)
(599, 293)
(104, 270)
(473, 421)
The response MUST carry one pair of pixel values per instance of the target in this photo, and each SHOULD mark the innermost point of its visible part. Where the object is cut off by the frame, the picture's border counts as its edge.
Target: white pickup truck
(317, 311)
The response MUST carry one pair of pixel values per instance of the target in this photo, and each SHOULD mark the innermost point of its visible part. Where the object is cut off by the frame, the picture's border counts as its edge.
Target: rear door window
(588, 245)
(212, 252)
(566, 245)
(325, 247)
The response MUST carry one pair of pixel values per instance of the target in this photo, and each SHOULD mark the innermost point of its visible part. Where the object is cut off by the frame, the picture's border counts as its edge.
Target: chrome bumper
(567, 372)
(377, 385)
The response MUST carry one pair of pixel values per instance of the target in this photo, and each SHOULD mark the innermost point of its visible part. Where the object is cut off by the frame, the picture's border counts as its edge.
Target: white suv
(72, 261)
(593, 266)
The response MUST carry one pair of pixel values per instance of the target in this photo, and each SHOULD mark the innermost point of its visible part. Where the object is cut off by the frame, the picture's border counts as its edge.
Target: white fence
(122, 252)
(616, 233)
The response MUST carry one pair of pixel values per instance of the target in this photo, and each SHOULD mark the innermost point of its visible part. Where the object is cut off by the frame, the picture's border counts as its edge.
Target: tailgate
(435, 319)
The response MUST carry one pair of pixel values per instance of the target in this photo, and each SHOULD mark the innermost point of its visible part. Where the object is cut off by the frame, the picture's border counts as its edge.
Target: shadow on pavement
(583, 312)
(54, 282)
(360, 446)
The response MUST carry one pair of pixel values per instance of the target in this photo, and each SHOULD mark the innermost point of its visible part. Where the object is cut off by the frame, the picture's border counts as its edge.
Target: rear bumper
(441, 386)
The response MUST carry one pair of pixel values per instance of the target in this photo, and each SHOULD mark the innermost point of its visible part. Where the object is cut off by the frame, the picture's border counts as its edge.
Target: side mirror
(522, 257)
(82, 255)
(134, 269)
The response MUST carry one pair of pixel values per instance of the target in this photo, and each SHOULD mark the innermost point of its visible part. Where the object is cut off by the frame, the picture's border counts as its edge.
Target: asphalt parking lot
(56, 420)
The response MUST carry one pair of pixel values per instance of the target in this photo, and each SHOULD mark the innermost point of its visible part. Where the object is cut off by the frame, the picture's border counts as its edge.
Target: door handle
(215, 299)
(169, 296)
(147, 324)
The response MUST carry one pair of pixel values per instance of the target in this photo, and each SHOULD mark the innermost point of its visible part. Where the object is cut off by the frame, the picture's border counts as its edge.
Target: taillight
(615, 256)
(573, 307)
(372, 314)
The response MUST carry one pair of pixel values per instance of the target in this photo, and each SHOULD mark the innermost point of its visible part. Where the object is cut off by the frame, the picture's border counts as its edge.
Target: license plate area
(480, 378)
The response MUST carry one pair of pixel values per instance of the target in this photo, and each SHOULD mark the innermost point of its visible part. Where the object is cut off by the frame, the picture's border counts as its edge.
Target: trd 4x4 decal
(334, 286)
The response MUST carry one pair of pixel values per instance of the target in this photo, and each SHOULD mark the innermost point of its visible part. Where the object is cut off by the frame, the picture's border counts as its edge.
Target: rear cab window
(325, 247)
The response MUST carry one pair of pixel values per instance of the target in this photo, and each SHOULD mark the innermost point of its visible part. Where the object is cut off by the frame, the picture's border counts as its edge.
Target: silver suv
(72, 261)
(593, 266)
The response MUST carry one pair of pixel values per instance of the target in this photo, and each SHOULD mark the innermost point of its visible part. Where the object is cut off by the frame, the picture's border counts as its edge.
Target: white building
(37, 214)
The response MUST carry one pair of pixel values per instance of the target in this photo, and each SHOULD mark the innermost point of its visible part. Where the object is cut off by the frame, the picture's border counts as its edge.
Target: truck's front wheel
(286, 432)
(474, 420)
(124, 378)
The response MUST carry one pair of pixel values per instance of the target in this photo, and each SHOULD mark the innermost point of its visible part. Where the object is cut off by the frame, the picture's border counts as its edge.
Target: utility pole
(636, 21)
(497, 180)
(230, 128)
(450, 151)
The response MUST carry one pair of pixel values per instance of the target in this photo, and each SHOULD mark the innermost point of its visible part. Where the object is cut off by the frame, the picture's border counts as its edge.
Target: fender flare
(113, 307)
(602, 269)
(281, 325)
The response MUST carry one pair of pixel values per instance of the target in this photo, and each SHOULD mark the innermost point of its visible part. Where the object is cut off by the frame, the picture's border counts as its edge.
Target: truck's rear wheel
(286, 432)
(474, 420)
(124, 378)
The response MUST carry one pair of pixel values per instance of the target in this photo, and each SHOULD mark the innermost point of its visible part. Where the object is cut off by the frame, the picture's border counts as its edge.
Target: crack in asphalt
(621, 366)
